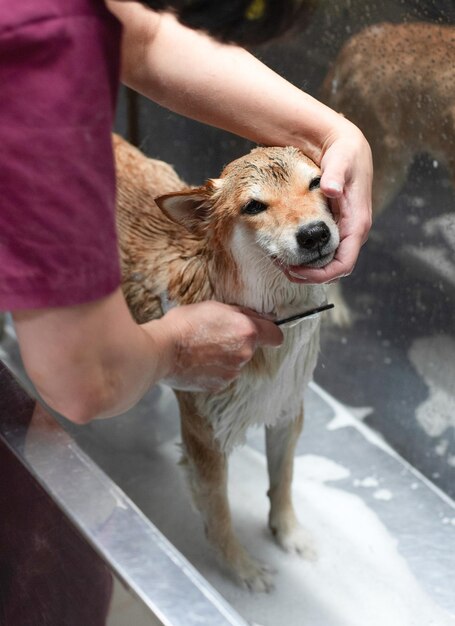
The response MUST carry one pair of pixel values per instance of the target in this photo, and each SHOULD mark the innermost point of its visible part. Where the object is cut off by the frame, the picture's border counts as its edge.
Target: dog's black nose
(313, 236)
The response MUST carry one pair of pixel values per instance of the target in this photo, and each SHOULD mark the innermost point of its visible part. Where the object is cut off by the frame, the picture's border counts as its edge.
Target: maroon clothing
(49, 574)
(58, 84)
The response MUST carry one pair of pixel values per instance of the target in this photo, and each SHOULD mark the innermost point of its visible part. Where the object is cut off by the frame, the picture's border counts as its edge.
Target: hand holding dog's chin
(208, 344)
(347, 174)
(341, 265)
(353, 235)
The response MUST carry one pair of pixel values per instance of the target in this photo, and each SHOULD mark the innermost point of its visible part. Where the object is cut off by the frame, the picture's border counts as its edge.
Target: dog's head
(269, 202)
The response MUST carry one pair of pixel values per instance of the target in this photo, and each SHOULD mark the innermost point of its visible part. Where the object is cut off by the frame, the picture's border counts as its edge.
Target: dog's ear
(189, 207)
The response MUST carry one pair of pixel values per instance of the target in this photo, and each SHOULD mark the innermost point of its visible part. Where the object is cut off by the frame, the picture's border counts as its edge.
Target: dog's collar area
(309, 313)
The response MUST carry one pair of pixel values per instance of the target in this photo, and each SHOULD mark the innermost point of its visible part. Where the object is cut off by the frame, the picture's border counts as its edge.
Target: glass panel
(389, 66)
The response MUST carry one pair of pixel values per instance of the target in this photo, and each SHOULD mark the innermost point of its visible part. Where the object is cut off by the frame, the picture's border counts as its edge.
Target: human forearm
(218, 84)
(90, 360)
(93, 360)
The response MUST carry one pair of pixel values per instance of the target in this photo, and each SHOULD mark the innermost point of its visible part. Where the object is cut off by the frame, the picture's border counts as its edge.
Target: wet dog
(235, 239)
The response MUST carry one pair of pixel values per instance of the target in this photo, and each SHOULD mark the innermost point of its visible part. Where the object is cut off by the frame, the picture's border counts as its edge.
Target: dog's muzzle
(313, 237)
(316, 244)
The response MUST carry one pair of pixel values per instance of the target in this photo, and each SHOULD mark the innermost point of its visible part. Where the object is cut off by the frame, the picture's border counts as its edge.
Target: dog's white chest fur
(271, 387)
(268, 396)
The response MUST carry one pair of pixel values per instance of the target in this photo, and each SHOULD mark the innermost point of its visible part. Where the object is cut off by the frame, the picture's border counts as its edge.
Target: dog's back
(150, 243)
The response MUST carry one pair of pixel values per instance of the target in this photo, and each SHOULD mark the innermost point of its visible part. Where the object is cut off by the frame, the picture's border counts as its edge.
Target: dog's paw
(255, 575)
(248, 571)
(296, 540)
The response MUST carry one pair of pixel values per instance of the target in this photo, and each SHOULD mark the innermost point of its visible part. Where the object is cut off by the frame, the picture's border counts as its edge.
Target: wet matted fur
(235, 239)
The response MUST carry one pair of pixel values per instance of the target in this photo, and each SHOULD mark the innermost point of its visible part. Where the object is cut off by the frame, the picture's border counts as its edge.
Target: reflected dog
(235, 239)
(396, 82)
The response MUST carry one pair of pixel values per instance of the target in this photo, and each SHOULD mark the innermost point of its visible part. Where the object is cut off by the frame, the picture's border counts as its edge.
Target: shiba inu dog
(236, 239)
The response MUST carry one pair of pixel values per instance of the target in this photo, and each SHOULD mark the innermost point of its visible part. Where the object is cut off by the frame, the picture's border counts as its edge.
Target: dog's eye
(314, 184)
(253, 207)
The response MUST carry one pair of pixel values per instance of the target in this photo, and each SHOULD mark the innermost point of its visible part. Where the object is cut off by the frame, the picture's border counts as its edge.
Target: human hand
(212, 342)
(347, 174)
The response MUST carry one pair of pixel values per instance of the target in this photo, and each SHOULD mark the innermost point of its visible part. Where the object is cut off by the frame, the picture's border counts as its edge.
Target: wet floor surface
(383, 536)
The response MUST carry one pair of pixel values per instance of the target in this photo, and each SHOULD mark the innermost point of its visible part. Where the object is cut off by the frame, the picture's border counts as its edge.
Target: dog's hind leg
(206, 468)
(281, 441)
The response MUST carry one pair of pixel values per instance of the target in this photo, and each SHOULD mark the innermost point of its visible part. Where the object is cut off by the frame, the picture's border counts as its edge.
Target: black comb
(299, 316)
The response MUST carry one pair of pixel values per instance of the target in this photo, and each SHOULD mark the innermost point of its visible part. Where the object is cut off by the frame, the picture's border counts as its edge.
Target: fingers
(346, 179)
(331, 272)
(267, 332)
(213, 342)
(333, 179)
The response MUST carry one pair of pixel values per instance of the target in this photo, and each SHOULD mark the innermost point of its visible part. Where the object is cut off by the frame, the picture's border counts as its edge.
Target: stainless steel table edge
(132, 547)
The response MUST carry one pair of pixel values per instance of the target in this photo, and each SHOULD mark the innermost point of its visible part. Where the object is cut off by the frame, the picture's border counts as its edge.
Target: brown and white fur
(396, 82)
(204, 245)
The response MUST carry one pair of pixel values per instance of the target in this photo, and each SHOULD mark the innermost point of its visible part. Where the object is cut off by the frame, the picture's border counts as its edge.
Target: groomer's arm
(93, 360)
(225, 86)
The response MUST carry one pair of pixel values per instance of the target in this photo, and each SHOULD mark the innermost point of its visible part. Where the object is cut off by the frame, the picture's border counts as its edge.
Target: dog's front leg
(281, 441)
(206, 468)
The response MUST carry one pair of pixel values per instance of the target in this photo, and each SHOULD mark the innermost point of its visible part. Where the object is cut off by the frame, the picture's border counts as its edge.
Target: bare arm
(93, 360)
(225, 86)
